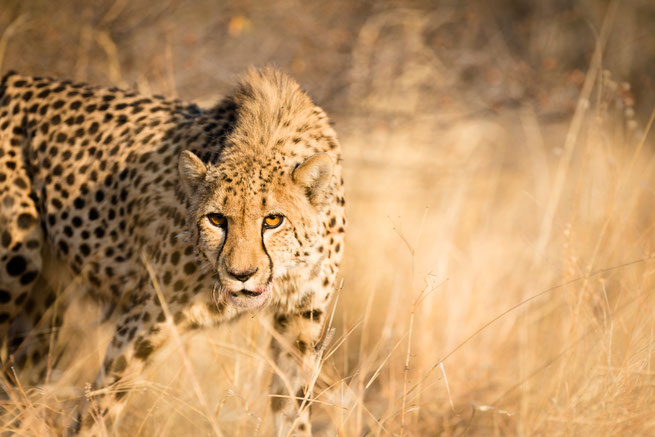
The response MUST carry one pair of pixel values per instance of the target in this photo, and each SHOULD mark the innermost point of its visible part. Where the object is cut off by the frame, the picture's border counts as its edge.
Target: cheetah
(219, 212)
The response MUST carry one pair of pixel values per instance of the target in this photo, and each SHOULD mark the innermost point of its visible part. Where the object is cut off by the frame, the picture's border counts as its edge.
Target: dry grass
(500, 262)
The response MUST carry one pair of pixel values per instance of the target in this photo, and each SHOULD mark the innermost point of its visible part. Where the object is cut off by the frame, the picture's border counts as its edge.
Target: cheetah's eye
(217, 220)
(273, 221)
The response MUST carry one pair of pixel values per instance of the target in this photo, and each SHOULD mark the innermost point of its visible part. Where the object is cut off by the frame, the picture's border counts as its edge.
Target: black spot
(33, 244)
(94, 127)
(277, 403)
(175, 258)
(6, 239)
(78, 203)
(21, 298)
(130, 335)
(44, 128)
(28, 277)
(25, 221)
(85, 250)
(189, 268)
(143, 350)
(16, 266)
(178, 317)
(120, 364)
(63, 247)
(4, 296)
(281, 322)
(20, 183)
(8, 201)
(313, 314)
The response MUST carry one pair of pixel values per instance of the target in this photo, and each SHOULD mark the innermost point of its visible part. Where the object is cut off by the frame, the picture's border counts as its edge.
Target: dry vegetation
(500, 271)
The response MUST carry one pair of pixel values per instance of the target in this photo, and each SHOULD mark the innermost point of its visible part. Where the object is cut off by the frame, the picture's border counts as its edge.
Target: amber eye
(217, 220)
(273, 221)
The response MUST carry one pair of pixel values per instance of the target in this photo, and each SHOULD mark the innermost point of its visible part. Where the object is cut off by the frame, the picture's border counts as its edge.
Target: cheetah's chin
(247, 299)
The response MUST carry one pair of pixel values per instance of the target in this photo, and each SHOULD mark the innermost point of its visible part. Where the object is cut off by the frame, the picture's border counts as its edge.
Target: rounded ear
(313, 176)
(192, 171)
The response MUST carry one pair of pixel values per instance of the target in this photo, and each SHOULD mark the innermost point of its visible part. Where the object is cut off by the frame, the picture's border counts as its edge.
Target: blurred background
(498, 277)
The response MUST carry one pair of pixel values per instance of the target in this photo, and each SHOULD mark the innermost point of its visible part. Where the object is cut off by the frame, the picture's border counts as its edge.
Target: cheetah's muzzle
(250, 299)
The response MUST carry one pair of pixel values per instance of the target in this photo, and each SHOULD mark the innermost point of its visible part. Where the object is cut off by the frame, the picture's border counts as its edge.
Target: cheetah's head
(255, 222)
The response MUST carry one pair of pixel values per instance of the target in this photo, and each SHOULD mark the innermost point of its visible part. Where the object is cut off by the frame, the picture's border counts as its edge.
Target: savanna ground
(499, 277)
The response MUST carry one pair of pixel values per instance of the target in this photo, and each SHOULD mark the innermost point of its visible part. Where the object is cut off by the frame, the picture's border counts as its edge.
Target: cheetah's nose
(242, 276)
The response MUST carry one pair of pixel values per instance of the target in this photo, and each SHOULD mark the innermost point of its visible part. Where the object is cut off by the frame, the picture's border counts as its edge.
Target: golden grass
(499, 280)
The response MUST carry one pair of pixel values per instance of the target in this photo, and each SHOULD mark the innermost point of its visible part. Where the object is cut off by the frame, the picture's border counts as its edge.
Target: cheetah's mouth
(249, 299)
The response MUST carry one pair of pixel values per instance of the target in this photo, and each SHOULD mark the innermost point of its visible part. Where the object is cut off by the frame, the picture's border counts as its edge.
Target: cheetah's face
(254, 225)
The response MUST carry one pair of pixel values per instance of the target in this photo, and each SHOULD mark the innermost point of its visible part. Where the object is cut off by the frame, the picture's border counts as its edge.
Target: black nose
(244, 275)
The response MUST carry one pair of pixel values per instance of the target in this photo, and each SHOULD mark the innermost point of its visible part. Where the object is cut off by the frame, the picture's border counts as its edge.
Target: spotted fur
(117, 185)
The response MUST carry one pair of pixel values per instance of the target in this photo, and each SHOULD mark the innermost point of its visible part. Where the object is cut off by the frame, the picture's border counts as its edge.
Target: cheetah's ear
(313, 176)
(192, 171)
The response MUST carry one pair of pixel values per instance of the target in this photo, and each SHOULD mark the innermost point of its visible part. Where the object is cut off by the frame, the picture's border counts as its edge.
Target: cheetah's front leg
(297, 357)
(138, 334)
